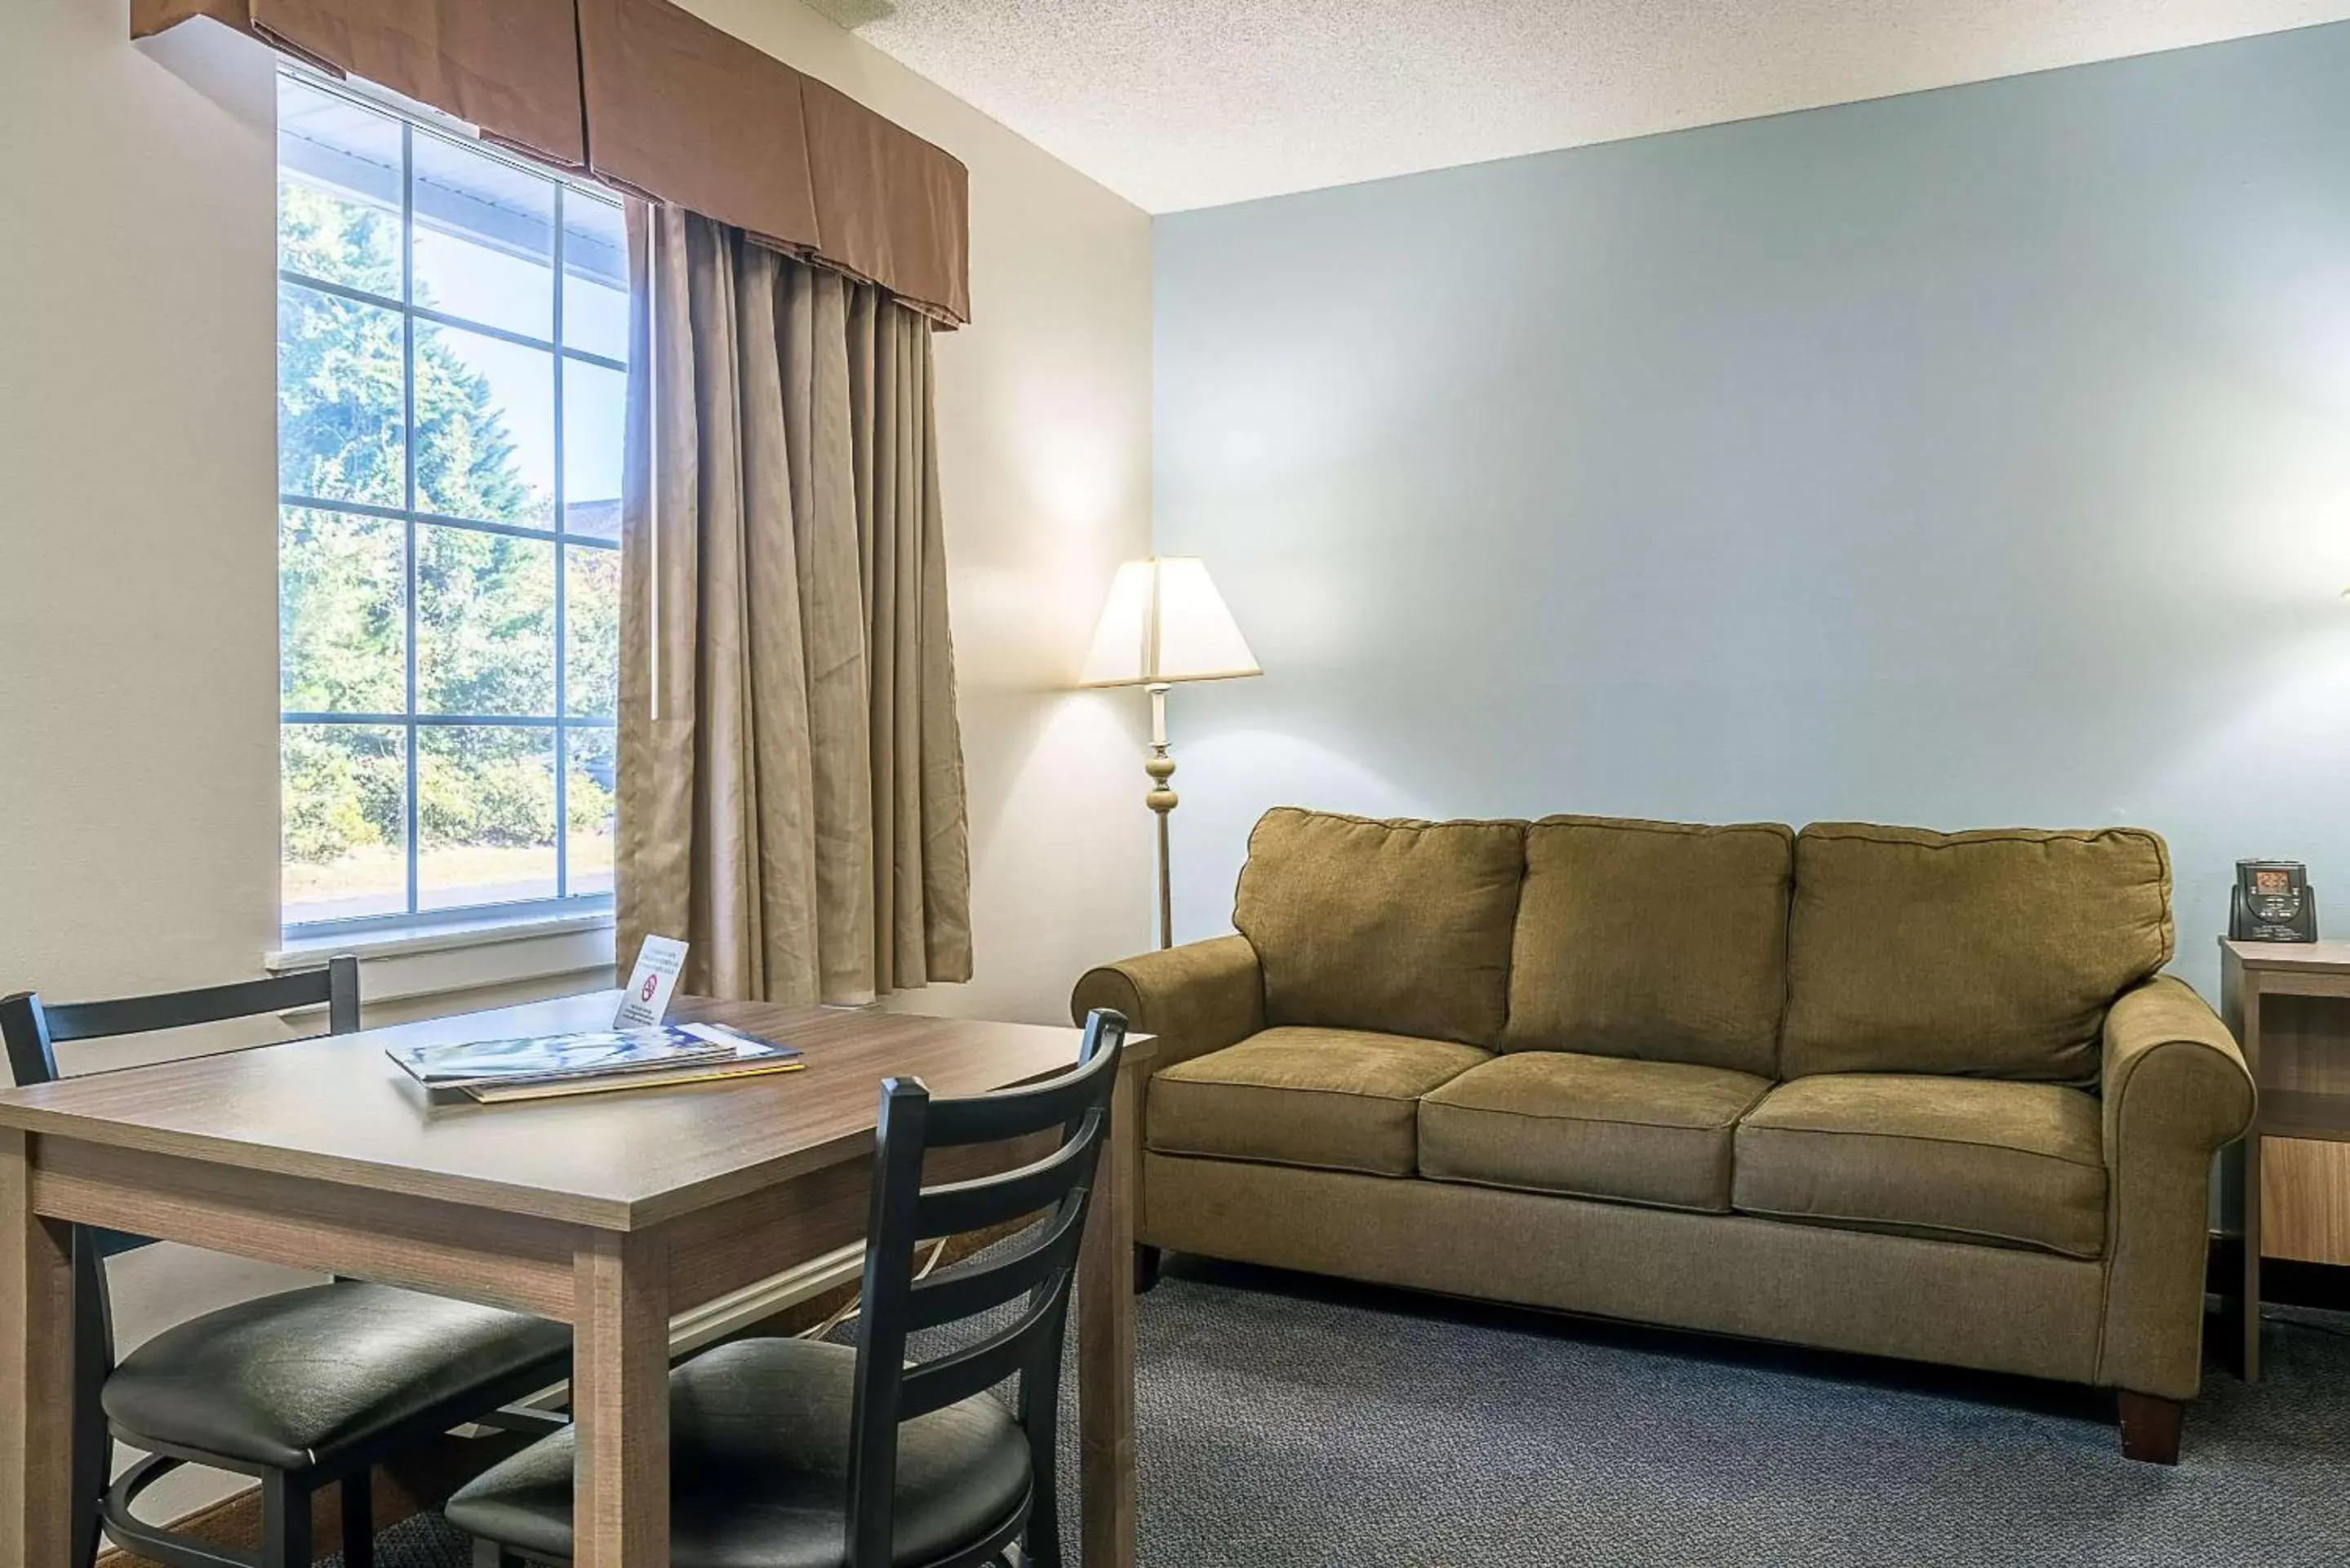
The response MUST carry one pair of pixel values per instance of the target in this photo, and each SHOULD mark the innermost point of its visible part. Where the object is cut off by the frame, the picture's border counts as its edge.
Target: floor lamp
(1165, 622)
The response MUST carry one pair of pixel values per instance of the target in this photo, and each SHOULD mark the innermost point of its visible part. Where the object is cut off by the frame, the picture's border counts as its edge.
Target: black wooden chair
(800, 1452)
(302, 1390)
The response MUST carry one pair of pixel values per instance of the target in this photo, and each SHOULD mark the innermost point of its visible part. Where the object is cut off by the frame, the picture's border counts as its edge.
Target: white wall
(138, 589)
(137, 646)
(1973, 458)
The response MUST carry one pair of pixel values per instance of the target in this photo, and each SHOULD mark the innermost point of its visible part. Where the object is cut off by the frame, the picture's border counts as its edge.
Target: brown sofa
(1867, 1089)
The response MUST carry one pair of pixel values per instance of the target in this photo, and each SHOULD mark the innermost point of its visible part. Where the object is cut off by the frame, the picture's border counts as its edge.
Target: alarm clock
(2273, 902)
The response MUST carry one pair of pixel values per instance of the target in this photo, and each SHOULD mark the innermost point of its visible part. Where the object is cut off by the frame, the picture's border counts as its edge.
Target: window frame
(561, 723)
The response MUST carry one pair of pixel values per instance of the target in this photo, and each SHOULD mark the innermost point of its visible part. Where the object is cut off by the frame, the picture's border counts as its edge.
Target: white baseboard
(713, 1321)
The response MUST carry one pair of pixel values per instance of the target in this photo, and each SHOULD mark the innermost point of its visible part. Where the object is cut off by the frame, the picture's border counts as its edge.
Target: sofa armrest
(2175, 1090)
(1198, 998)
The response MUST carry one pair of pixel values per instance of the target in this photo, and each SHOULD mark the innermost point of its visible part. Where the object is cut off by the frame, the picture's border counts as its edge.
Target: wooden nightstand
(2287, 1185)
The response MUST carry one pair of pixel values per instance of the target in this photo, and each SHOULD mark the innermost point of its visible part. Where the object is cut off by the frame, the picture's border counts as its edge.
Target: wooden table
(610, 1213)
(2286, 1187)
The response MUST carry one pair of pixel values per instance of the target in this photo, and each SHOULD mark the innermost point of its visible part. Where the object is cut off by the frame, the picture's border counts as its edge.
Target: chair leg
(1040, 1403)
(2150, 1427)
(285, 1523)
(1040, 1543)
(358, 1519)
(93, 1358)
(1146, 1268)
(89, 1459)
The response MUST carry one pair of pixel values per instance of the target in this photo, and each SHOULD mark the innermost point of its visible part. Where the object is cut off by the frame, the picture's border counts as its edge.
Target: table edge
(478, 1192)
(2288, 957)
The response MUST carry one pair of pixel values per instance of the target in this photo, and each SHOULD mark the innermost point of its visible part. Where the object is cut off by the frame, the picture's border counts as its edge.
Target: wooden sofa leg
(1146, 1268)
(2150, 1427)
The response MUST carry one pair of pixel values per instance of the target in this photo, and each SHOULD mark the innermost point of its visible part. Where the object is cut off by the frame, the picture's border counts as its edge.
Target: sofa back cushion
(1652, 939)
(1399, 927)
(1989, 955)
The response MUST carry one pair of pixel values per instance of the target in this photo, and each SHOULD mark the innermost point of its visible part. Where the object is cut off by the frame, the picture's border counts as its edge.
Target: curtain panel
(653, 100)
(791, 778)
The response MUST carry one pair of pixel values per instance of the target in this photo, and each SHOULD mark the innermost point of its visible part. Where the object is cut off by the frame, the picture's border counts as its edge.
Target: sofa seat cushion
(1593, 1127)
(1962, 1159)
(1338, 1099)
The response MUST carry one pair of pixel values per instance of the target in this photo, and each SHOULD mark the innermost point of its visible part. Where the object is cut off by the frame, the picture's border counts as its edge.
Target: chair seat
(1335, 1099)
(1965, 1159)
(298, 1381)
(759, 1464)
(1590, 1127)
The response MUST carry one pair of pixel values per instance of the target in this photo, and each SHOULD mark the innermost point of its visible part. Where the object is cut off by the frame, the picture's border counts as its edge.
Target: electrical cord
(2269, 1314)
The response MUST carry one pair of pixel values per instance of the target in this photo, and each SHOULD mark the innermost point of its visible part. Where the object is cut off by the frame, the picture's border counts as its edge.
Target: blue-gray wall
(1978, 457)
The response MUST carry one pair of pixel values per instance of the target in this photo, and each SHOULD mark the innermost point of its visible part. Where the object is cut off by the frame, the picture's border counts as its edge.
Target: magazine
(753, 1061)
(590, 1053)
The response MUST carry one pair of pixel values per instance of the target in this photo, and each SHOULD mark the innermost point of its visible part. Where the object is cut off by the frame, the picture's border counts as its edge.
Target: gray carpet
(1286, 1422)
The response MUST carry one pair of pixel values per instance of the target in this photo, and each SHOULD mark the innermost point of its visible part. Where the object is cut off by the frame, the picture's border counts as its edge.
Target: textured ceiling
(1191, 103)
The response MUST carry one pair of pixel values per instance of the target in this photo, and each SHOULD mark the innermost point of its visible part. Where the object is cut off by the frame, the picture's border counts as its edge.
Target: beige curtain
(791, 783)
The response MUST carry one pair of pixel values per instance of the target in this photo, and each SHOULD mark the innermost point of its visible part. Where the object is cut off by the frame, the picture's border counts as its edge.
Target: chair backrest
(31, 1032)
(1035, 1271)
(31, 1029)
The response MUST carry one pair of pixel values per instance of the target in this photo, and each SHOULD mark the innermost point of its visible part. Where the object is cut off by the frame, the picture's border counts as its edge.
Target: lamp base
(1162, 800)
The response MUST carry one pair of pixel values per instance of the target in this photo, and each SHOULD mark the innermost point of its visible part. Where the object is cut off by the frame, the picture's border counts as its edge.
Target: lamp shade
(1166, 622)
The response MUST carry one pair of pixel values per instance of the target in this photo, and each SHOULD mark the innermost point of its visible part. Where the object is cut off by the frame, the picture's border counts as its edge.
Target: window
(451, 343)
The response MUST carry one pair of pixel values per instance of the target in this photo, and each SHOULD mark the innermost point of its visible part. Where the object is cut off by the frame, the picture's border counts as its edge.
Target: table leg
(619, 1404)
(2240, 1005)
(1106, 1343)
(37, 1500)
(2248, 1287)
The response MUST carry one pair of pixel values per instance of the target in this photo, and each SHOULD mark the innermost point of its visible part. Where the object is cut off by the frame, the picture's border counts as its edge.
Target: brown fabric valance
(655, 100)
(693, 117)
(511, 68)
(893, 209)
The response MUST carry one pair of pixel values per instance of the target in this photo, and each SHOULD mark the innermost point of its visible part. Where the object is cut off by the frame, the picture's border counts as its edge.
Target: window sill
(435, 960)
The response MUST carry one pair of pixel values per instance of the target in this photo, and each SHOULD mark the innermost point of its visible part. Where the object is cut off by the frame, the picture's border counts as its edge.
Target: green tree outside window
(485, 602)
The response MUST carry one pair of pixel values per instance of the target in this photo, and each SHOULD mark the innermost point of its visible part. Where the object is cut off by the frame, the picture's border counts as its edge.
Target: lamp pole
(1162, 623)
(1162, 800)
